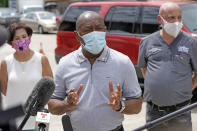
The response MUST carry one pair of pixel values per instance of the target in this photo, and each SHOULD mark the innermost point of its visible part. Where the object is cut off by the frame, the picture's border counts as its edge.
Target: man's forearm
(58, 107)
(133, 106)
(194, 81)
(143, 70)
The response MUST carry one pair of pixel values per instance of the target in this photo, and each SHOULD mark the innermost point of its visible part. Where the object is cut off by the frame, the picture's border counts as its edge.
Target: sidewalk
(131, 121)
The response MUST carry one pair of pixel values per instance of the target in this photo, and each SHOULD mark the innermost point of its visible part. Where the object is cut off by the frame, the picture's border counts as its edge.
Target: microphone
(4, 35)
(11, 114)
(42, 120)
(66, 123)
(38, 98)
(7, 118)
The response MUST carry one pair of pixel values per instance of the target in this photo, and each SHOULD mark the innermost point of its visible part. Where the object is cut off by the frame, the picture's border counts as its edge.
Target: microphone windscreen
(4, 35)
(39, 96)
(67, 126)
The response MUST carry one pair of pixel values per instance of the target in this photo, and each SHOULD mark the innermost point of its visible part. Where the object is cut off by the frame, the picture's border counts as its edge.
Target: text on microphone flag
(43, 117)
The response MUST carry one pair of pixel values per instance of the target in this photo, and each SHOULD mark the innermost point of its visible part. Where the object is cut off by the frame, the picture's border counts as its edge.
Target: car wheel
(40, 29)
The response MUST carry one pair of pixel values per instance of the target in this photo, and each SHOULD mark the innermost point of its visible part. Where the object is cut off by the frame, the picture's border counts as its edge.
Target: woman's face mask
(172, 29)
(21, 45)
(94, 41)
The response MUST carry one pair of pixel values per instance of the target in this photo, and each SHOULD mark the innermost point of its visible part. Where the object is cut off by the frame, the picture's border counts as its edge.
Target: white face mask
(172, 29)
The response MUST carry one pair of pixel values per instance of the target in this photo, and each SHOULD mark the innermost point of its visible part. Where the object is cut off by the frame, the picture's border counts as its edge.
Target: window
(150, 23)
(29, 16)
(190, 17)
(34, 17)
(72, 14)
(122, 19)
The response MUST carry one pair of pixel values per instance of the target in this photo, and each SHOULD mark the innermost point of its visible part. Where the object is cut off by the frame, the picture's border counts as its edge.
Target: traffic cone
(41, 49)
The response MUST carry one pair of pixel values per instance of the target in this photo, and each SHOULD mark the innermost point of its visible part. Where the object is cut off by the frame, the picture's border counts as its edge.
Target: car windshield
(46, 16)
(33, 9)
(7, 12)
(190, 17)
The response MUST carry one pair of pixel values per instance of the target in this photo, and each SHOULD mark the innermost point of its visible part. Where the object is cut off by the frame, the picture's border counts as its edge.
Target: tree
(3, 3)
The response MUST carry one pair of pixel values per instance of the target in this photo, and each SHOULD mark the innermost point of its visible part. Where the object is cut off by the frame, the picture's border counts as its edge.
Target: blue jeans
(179, 123)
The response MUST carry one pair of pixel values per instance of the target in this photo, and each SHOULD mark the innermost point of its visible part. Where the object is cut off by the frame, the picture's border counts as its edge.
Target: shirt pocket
(181, 63)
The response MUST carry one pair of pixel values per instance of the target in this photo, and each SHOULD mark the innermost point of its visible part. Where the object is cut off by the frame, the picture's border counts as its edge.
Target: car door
(34, 22)
(123, 30)
(27, 19)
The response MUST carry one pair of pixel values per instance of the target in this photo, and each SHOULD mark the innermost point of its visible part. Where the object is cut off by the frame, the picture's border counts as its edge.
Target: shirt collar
(103, 57)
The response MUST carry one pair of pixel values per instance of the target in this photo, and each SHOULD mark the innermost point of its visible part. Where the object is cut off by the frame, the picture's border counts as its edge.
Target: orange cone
(41, 49)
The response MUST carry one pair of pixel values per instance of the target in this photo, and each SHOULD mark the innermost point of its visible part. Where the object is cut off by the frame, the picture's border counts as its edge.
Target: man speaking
(95, 85)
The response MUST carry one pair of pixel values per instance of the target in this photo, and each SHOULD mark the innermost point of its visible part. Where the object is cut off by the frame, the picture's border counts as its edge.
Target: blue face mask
(94, 41)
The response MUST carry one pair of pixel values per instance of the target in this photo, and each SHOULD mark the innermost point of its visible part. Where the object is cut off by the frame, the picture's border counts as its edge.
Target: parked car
(28, 9)
(8, 15)
(41, 21)
(127, 23)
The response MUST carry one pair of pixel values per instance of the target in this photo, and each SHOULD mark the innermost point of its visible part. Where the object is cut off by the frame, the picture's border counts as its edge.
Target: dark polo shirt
(168, 79)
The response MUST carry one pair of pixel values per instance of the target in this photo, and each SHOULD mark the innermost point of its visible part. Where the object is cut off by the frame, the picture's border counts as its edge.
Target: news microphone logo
(42, 120)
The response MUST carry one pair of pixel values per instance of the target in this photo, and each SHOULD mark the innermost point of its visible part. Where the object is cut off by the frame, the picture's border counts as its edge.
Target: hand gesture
(73, 97)
(114, 96)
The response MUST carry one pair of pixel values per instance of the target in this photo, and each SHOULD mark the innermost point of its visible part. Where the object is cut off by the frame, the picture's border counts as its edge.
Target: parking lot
(49, 44)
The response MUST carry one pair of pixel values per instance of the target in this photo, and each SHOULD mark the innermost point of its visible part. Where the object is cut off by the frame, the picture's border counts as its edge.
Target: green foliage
(3, 3)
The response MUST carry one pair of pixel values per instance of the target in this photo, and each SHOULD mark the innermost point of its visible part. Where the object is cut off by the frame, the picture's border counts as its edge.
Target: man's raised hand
(73, 97)
(114, 96)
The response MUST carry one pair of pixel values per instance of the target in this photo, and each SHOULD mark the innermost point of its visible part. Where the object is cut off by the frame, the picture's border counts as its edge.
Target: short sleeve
(60, 89)
(193, 55)
(142, 61)
(131, 87)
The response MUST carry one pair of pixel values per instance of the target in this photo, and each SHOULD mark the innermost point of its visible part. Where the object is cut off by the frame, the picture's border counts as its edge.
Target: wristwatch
(122, 104)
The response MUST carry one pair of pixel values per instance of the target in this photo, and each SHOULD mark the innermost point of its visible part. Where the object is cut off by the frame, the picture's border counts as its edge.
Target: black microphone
(38, 98)
(66, 123)
(4, 35)
(7, 118)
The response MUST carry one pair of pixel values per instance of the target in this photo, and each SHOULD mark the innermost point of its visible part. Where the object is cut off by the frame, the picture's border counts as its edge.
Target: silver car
(41, 21)
(8, 16)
